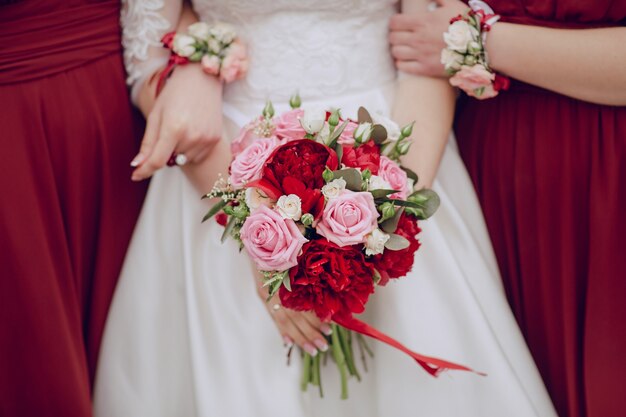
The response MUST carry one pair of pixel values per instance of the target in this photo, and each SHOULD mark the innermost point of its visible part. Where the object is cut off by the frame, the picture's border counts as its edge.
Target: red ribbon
(433, 366)
(168, 42)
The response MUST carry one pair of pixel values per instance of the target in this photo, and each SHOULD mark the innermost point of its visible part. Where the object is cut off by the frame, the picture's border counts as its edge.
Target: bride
(188, 334)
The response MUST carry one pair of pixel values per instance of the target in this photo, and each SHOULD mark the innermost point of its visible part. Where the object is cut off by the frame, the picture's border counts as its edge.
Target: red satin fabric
(550, 173)
(433, 366)
(68, 207)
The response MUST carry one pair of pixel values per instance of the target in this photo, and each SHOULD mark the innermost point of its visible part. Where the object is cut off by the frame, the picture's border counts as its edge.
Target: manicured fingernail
(287, 341)
(135, 177)
(321, 344)
(310, 349)
(137, 160)
(326, 329)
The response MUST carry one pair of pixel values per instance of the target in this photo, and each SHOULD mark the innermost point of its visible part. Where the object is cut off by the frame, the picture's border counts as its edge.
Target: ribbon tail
(433, 366)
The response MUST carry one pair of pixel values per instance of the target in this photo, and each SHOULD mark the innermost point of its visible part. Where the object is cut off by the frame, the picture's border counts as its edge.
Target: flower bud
(307, 219)
(295, 101)
(313, 120)
(362, 133)
(366, 174)
(333, 120)
(407, 130)
(470, 60)
(474, 47)
(328, 175)
(403, 147)
(268, 110)
(387, 211)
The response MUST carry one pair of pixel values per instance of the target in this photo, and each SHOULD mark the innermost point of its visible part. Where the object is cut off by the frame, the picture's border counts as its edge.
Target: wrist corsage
(216, 47)
(465, 55)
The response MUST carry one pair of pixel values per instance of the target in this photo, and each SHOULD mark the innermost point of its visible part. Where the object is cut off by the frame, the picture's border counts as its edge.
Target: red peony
(296, 168)
(366, 156)
(329, 280)
(398, 263)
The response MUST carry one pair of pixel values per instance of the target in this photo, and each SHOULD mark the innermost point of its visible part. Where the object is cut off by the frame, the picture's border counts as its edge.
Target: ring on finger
(276, 307)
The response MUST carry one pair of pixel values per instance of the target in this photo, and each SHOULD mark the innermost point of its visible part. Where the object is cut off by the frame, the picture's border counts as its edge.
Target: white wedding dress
(188, 336)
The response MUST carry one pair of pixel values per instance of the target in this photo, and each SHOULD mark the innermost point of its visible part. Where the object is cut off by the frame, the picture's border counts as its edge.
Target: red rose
(221, 219)
(366, 156)
(296, 168)
(329, 280)
(398, 263)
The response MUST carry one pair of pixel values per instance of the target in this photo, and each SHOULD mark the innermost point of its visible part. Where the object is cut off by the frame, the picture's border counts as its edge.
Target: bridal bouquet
(324, 208)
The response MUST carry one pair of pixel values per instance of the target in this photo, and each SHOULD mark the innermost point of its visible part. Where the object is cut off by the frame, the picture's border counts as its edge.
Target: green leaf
(364, 116)
(214, 210)
(286, 281)
(400, 203)
(351, 176)
(391, 225)
(379, 134)
(229, 228)
(382, 193)
(339, 151)
(409, 173)
(426, 200)
(332, 141)
(376, 277)
(397, 242)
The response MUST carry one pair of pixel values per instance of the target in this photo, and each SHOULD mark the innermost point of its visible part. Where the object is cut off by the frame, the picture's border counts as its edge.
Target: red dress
(67, 205)
(550, 172)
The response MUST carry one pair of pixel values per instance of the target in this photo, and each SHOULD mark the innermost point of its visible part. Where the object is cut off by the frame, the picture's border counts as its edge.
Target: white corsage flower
(289, 207)
(334, 188)
(183, 45)
(392, 128)
(459, 35)
(224, 32)
(375, 242)
(313, 120)
(200, 30)
(451, 60)
(255, 198)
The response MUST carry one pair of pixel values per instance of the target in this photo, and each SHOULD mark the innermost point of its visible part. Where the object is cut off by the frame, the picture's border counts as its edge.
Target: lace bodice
(319, 47)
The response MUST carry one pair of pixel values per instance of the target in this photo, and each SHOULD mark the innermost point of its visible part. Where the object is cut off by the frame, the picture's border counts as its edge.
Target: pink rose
(246, 137)
(235, 63)
(247, 166)
(288, 125)
(347, 219)
(395, 176)
(473, 80)
(272, 242)
(211, 64)
(347, 136)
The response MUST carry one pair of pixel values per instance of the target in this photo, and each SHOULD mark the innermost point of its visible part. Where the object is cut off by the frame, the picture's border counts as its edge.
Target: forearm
(588, 64)
(430, 103)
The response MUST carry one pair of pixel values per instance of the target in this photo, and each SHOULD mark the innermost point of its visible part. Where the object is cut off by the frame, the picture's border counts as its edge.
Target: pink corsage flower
(235, 63)
(476, 81)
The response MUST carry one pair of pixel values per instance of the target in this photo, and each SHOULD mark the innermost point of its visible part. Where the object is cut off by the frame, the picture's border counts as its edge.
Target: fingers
(405, 22)
(296, 328)
(317, 323)
(397, 37)
(404, 53)
(168, 138)
(153, 124)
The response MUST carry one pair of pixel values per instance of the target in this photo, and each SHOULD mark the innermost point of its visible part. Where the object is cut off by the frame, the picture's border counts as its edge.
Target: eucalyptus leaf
(229, 228)
(214, 210)
(364, 116)
(397, 242)
(400, 203)
(351, 176)
(391, 225)
(427, 200)
(382, 193)
(379, 134)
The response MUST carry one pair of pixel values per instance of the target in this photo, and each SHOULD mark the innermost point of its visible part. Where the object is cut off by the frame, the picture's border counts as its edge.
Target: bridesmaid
(548, 160)
(68, 207)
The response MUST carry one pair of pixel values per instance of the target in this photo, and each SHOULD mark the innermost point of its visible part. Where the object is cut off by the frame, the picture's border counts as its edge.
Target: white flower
(451, 60)
(224, 32)
(214, 45)
(199, 30)
(289, 207)
(375, 242)
(363, 132)
(334, 188)
(313, 120)
(392, 128)
(184, 45)
(377, 183)
(459, 35)
(255, 198)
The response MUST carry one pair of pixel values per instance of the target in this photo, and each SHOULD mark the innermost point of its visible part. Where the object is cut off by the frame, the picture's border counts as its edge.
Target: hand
(302, 328)
(417, 38)
(185, 118)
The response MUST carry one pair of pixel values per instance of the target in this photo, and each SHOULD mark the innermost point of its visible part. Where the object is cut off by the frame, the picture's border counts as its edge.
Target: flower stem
(340, 360)
(307, 361)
